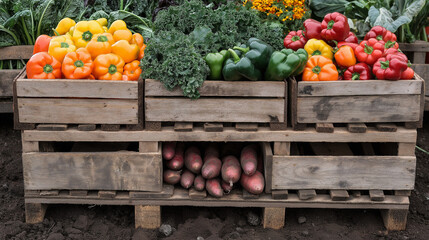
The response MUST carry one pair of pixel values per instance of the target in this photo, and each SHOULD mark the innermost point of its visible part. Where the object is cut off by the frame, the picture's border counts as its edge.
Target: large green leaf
(322, 7)
(383, 17)
(414, 8)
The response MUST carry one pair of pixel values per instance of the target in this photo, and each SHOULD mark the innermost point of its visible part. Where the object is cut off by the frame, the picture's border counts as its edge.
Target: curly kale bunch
(170, 57)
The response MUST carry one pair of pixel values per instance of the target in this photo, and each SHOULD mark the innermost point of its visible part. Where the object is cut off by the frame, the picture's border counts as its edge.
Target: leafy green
(383, 17)
(171, 58)
(322, 7)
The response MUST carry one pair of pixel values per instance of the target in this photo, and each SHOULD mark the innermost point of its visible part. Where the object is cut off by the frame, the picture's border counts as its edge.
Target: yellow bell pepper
(318, 47)
(102, 22)
(123, 34)
(105, 29)
(117, 25)
(71, 31)
(128, 52)
(64, 26)
(84, 31)
(60, 46)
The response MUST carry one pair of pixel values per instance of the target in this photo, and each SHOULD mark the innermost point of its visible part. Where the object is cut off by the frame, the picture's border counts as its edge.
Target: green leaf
(322, 7)
(373, 13)
(385, 19)
(99, 14)
(414, 8)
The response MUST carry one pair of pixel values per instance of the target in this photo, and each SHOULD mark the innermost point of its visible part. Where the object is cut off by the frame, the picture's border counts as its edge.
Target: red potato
(211, 167)
(199, 183)
(231, 169)
(211, 150)
(248, 159)
(226, 187)
(168, 150)
(171, 177)
(213, 187)
(253, 184)
(193, 160)
(177, 162)
(187, 179)
(260, 166)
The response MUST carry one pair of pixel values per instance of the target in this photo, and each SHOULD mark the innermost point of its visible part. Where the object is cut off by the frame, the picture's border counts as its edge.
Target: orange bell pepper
(320, 68)
(43, 66)
(141, 54)
(132, 71)
(345, 56)
(108, 67)
(122, 34)
(128, 52)
(60, 46)
(100, 44)
(77, 65)
(41, 44)
(138, 39)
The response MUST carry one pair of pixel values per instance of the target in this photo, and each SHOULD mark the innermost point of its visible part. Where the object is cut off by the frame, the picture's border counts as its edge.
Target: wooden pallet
(372, 101)
(8, 75)
(220, 102)
(70, 101)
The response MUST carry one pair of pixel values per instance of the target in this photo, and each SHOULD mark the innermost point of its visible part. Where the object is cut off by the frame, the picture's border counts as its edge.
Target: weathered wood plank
(30, 146)
(110, 127)
(386, 127)
(246, 127)
(248, 195)
(153, 126)
(274, 218)
(376, 195)
(148, 147)
(214, 110)
(154, 88)
(358, 88)
(344, 172)
(402, 192)
(87, 171)
(49, 193)
(47, 88)
(167, 191)
(183, 127)
(16, 52)
(394, 219)
(6, 81)
(78, 193)
(427, 103)
(267, 155)
(194, 194)
(35, 212)
(423, 71)
(339, 195)
(356, 127)
(282, 148)
(306, 194)
(213, 127)
(355, 109)
(280, 194)
(417, 46)
(406, 149)
(87, 127)
(324, 127)
(147, 217)
(106, 194)
(96, 111)
(52, 127)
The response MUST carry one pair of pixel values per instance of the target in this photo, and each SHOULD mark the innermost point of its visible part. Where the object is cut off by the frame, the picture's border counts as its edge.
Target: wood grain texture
(6, 81)
(167, 191)
(214, 110)
(324, 127)
(354, 109)
(417, 46)
(88, 171)
(246, 127)
(77, 88)
(339, 195)
(423, 71)
(343, 172)
(77, 111)
(35, 212)
(16, 52)
(183, 127)
(280, 194)
(356, 127)
(282, 148)
(267, 155)
(376, 195)
(395, 219)
(306, 194)
(147, 217)
(358, 88)
(273, 218)
(154, 88)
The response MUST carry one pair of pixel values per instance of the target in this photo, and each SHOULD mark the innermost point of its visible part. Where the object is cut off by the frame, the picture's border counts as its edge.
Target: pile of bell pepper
(336, 54)
(255, 60)
(88, 50)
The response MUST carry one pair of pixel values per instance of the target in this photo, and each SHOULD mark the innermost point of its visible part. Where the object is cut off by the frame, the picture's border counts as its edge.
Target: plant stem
(421, 149)
(121, 5)
(29, 39)
(425, 36)
(39, 26)
(10, 33)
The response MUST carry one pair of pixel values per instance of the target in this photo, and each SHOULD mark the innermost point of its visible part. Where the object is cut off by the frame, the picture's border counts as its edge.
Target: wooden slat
(306, 194)
(282, 148)
(52, 127)
(352, 109)
(423, 71)
(213, 127)
(110, 127)
(183, 127)
(147, 217)
(6, 81)
(167, 191)
(35, 212)
(395, 219)
(417, 46)
(16, 52)
(49, 193)
(339, 195)
(106, 194)
(214, 110)
(30, 146)
(280, 194)
(376, 195)
(87, 171)
(402, 193)
(358, 88)
(344, 172)
(78, 192)
(77, 111)
(194, 194)
(86, 127)
(406, 149)
(274, 218)
(356, 127)
(148, 147)
(77, 88)
(268, 165)
(262, 135)
(386, 127)
(246, 127)
(154, 88)
(324, 127)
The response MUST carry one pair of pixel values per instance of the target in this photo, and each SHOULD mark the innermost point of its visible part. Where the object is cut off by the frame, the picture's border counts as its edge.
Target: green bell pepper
(258, 52)
(286, 63)
(237, 68)
(215, 62)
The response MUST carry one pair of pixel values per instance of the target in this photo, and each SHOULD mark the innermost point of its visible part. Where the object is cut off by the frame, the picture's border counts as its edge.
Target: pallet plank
(51, 127)
(213, 127)
(194, 194)
(35, 212)
(282, 148)
(339, 195)
(214, 110)
(6, 81)
(386, 127)
(343, 172)
(87, 171)
(280, 194)
(183, 127)
(80, 193)
(16, 52)
(246, 127)
(324, 127)
(86, 127)
(148, 147)
(106, 194)
(148, 217)
(376, 195)
(69, 111)
(110, 127)
(268, 165)
(306, 194)
(274, 218)
(395, 219)
(248, 195)
(356, 127)
(167, 191)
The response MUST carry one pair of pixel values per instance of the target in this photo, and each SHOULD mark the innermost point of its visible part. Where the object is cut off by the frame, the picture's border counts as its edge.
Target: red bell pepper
(352, 45)
(380, 33)
(42, 44)
(369, 51)
(312, 29)
(351, 38)
(389, 67)
(294, 40)
(391, 51)
(407, 74)
(335, 27)
(360, 71)
(390, 44)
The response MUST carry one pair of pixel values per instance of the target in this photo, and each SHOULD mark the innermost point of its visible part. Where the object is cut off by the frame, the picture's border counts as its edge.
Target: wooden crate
(371, 101)
(67, 101)
(255, 102)
(8, 75)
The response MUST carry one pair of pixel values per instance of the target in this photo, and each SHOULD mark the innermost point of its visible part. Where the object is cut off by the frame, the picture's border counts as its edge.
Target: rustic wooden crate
(67, 101)
(23, 52)
(220, 102)
(371, 101)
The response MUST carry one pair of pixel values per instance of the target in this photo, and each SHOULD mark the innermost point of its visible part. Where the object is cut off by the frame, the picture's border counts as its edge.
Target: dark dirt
(117, 222)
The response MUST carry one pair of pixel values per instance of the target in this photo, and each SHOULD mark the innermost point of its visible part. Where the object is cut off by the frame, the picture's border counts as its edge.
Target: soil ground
(117, 222)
